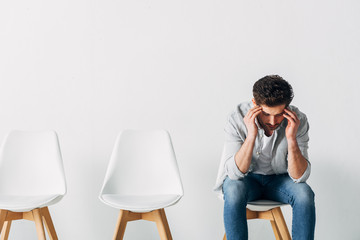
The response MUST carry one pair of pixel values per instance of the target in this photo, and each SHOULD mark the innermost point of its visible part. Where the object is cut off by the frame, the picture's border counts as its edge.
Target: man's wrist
(251, 138)
(292, 142)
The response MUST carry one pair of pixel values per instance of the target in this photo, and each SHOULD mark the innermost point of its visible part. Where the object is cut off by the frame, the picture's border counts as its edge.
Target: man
(265, 157)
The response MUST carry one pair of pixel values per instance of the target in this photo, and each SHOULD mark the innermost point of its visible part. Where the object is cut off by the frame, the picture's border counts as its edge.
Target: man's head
(272, 90)
(273, 94)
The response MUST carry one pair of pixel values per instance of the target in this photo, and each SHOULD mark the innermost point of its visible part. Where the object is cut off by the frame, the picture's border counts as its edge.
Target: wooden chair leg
(5, 230)
(48, 223)
(3, 215)
(39, 224)
(162, 224)
(276, 230)
(121, 225)
(281, 224)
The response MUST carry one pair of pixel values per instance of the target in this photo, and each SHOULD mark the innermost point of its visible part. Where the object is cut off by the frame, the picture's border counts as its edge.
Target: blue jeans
(280, 188)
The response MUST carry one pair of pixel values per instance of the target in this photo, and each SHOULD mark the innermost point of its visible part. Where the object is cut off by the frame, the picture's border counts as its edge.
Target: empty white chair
(31, 178)
(142, 179)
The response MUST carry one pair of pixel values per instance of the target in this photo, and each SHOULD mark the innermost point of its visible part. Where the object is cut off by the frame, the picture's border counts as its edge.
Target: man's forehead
(273, 110)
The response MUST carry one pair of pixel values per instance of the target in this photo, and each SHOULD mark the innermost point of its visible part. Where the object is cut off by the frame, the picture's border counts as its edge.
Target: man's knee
(235, 192)
(304, 195)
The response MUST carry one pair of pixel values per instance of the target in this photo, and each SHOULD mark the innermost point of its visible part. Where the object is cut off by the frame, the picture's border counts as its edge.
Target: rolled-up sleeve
(233, 142)
(232, 169)
(305, 175)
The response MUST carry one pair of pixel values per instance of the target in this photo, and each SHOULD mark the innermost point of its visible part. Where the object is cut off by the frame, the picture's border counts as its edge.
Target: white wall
(89, 69)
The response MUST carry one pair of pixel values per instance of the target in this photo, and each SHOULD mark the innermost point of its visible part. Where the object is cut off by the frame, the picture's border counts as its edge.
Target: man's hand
(293, 124)
(249, 121)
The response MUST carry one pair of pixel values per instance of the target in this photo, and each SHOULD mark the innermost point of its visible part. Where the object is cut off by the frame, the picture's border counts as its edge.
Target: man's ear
(253, 101)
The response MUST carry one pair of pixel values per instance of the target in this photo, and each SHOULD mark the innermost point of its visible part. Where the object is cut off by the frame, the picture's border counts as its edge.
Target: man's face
(270, 118)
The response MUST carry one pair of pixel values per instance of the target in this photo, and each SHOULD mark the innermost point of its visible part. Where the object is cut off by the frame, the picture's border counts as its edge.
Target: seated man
(265, 157)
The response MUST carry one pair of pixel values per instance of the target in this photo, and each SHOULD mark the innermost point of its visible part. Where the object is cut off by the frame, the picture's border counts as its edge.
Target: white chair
(142, 179)
(31, 178)
(269, 210)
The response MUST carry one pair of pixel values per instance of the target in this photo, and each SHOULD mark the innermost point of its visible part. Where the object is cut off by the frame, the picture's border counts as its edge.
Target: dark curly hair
(272, 90)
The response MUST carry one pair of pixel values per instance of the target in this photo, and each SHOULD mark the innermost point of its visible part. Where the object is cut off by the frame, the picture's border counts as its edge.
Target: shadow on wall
(337, 194)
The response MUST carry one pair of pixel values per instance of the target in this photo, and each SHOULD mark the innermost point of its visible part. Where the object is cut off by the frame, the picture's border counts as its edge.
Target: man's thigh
(283, 189)
(246, 188)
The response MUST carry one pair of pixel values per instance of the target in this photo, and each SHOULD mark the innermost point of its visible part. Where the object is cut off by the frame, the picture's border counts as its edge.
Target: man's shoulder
(235, 125)
(242, 108)
(301, 115)
(236, 116)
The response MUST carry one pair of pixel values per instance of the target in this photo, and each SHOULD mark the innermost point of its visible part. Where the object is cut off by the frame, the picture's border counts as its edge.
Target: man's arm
(297, 163)
(244, 155)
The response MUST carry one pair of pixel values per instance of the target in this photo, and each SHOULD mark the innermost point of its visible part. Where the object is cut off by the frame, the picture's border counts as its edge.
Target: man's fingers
(254, 112)
(257, 112)
(291, 113)
(289, 118)
(254, 109)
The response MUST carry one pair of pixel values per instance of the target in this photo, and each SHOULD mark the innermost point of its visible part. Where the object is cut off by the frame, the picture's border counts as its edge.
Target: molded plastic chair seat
(142, 179)
(31, 178)
(27, 203)
(144, 203)
(264, 205)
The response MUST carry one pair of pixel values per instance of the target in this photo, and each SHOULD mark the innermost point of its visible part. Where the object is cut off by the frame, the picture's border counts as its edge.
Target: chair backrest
(31, 164)
(143, 163)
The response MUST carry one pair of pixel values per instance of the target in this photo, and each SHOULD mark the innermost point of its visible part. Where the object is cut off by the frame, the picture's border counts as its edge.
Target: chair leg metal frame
(157, 216)
(38, 215)
(277, 222)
